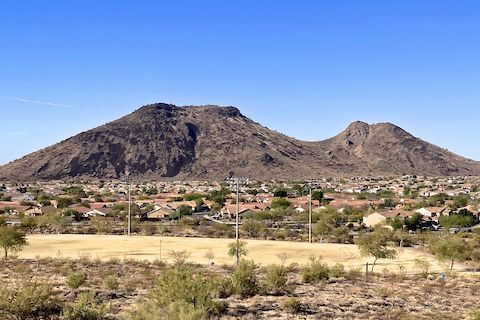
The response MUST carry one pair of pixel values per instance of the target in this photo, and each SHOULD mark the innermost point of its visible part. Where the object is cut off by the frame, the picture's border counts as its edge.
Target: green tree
(11, 240)
(219, 196)
(64, 202)
(438, 200)
(199, 203)
(28, 223)
(374, 245)
(183, 210)
(280, 203)
(237, 249)
(456, 220)
(252, 227)
(55, 220)
(460, 201)
(414, 222)
(327, 222)
(397, 223)
(280, 193)
(317, 195)
(389, 203)
(450, 249)
(192, 196)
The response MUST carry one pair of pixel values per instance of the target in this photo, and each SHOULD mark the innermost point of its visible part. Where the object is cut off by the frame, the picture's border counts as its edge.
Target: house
(102, 212)
(13, 208)
(299, 209)
(391, 214)
(160, 213)
(80, 209)
(430, 212)
(230, 211)
(36, 211)
(177, 204)
(374, 219)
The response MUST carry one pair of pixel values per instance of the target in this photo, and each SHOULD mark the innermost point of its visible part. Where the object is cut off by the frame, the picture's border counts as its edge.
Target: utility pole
(236, 183)
(310, 214)
(129, 231)
(237, 222)
(128, 180)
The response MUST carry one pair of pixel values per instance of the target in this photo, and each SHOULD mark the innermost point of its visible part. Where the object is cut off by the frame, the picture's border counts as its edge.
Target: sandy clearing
(261, 251)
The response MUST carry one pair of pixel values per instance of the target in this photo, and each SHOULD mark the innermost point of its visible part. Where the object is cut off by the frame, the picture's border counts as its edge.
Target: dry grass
(263, 252)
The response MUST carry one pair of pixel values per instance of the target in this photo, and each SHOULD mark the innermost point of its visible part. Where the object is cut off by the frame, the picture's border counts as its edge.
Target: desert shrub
(110, 283)
(279, 234)
(293, 267)
(283, 256)
(179, 257)
(423, 266)
(180, 293)
(385, 292)
(86, 307)
(224, 287)
(28, 300)
(337, 271)
(292, 305)
(131, 284)
(76, 279)
(275, 278)
(475, 315)
(244, 279)
(174, 311)
(315, 271)
(353, 273)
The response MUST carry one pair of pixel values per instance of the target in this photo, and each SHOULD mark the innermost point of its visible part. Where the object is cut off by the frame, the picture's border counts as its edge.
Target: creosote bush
(110, 283)
(315, 271)
(244, 279)
(423, 267)
(76, 279)
(275, 278)
(292, 305)
(337, 271)
(29, 300)
(86, 307)
(180, 293)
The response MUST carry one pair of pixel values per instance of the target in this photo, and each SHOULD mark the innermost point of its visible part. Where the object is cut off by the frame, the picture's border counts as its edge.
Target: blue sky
(305, 68)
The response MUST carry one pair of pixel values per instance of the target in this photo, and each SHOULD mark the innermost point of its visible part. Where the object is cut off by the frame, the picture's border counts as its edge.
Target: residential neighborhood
(278, 209)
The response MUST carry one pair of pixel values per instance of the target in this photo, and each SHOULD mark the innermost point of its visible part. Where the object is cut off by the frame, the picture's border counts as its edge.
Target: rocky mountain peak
(355, 133)
(163, 141)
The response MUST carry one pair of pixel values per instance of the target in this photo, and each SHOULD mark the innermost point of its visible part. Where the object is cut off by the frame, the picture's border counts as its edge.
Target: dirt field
(261, 251)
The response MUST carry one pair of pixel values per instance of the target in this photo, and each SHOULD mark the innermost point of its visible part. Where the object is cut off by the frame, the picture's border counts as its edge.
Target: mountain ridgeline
(208, 142)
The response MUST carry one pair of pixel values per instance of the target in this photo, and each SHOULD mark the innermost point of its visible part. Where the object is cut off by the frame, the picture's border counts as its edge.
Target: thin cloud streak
(16, 133)
(45, 103)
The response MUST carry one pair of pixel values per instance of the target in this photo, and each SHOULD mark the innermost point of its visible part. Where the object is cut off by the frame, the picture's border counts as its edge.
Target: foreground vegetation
(86, 288)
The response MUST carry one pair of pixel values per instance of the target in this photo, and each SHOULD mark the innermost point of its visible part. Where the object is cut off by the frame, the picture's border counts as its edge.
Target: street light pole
(129, 231)
(310, 215)
(237, 223)
(236, 183)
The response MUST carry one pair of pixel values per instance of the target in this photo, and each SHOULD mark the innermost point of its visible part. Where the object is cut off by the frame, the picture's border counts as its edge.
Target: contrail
(45, 103)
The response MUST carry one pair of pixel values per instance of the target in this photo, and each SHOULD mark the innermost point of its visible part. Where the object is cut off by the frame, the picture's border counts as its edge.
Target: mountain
(208, 142)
